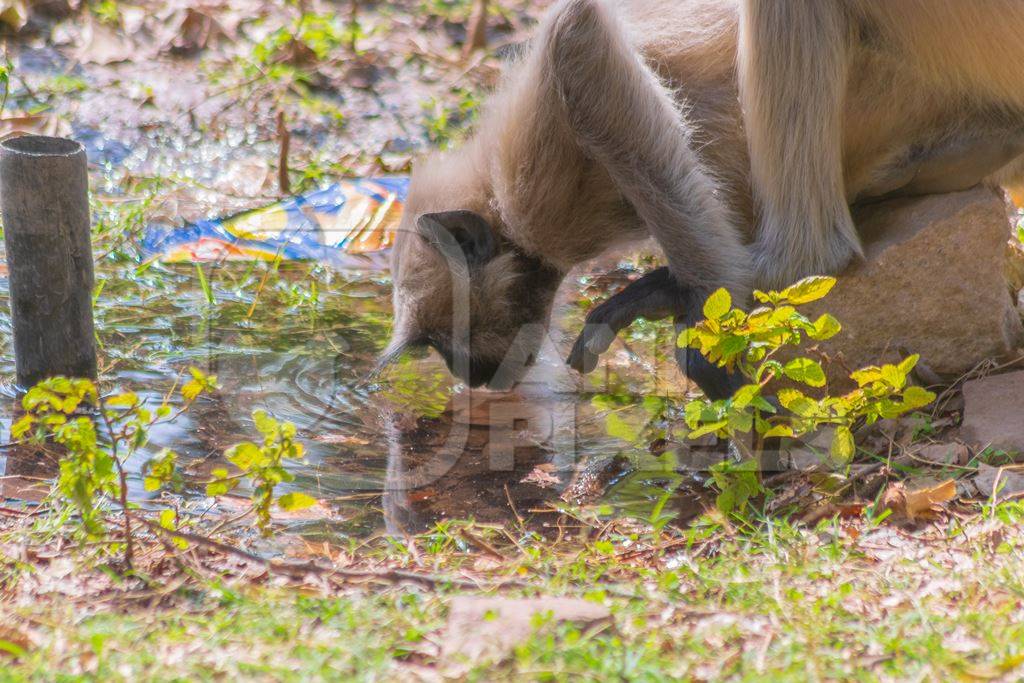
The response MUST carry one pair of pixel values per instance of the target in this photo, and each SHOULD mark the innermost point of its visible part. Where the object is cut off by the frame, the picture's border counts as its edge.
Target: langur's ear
(465, 231)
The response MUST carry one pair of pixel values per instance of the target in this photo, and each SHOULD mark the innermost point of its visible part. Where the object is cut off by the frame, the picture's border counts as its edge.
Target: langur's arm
(626, 120)
(793, 64)
(654, 296)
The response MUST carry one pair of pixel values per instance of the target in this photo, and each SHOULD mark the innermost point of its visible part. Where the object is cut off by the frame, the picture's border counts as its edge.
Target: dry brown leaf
(14, 13)
(34, 124)
(103, 44)
(1001, 482)
(192, 29)
(541, 476)
(486, 563)
(944, 453)
(918, 503)
(421, 495)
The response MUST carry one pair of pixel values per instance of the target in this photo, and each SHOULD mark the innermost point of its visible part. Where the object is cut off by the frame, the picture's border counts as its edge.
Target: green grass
(843, 601)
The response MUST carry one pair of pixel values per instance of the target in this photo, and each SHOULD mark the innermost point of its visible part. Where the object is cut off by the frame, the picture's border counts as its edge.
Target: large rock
(489, 628)
(994, 412)
(933, 282)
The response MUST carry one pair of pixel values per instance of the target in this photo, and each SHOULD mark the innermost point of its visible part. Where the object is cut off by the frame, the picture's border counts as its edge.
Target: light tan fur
(623, 120)
(832, 88)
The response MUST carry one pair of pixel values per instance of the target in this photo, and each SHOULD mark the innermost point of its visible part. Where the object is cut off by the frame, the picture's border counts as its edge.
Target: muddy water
(407, 449)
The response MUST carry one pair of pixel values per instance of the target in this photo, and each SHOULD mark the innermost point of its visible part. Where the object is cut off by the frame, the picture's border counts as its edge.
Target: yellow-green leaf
(23, 426)
(805, 370)
(895, 377)
(265, 424)
(191, 389)
(779, 431)
(866, 376)
(167, 521)
(689, 337)
(731, 345)
(219, 487)
(824, 328)
(741, 423)
(245, 455)
(167, 518)
(909, 363)
(843, 446)
(125, 400)
(744, 395)
(809, 289)
(917, 397)
(796, 402)
(295, 501)
(711, 428)
(717, 305)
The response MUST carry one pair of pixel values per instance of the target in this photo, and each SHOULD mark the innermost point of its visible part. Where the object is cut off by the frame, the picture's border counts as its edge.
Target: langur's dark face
(475, 299)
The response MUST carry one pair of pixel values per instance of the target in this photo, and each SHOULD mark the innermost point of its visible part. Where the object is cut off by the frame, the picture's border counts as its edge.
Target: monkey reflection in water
(509, 459)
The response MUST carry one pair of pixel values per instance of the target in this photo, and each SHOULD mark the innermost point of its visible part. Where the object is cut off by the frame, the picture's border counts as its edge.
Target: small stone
(994, 412)
(933, 282)
(1008, 481)
(490, 628)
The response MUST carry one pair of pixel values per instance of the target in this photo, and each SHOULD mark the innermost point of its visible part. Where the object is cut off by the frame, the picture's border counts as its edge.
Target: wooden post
(44, 199)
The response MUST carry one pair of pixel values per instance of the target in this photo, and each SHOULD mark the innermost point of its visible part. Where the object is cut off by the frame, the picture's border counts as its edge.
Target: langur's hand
(654, 296)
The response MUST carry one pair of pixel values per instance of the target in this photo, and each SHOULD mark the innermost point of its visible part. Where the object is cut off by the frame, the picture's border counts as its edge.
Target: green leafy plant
(5, 84)
(446, 123)
(97, 435)
(108, 12)
(457, 11)
(752, 344)
(310, 38)
(451, 10)
(264, 465)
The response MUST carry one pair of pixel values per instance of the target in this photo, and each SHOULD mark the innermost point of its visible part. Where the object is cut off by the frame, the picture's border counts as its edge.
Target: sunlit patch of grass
(772, 601)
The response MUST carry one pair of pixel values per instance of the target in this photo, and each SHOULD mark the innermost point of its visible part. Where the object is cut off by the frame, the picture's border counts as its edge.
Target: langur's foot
(779, 263)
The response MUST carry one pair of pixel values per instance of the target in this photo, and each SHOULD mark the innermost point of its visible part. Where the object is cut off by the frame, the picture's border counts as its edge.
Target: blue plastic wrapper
(351, 217)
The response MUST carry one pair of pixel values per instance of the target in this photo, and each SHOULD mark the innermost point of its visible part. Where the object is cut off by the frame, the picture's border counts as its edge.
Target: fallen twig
(303, 568)
(284, 138)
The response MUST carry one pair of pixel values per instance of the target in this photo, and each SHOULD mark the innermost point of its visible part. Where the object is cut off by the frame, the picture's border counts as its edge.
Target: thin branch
(303, 568)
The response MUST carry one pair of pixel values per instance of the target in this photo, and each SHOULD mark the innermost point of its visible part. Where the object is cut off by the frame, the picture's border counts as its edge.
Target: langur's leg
(793, 63)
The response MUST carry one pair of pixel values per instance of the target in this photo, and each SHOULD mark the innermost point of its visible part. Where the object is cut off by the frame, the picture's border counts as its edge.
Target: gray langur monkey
(624, 120)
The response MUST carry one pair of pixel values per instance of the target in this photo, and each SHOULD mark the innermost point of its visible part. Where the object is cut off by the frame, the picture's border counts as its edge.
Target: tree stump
(44, 199)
